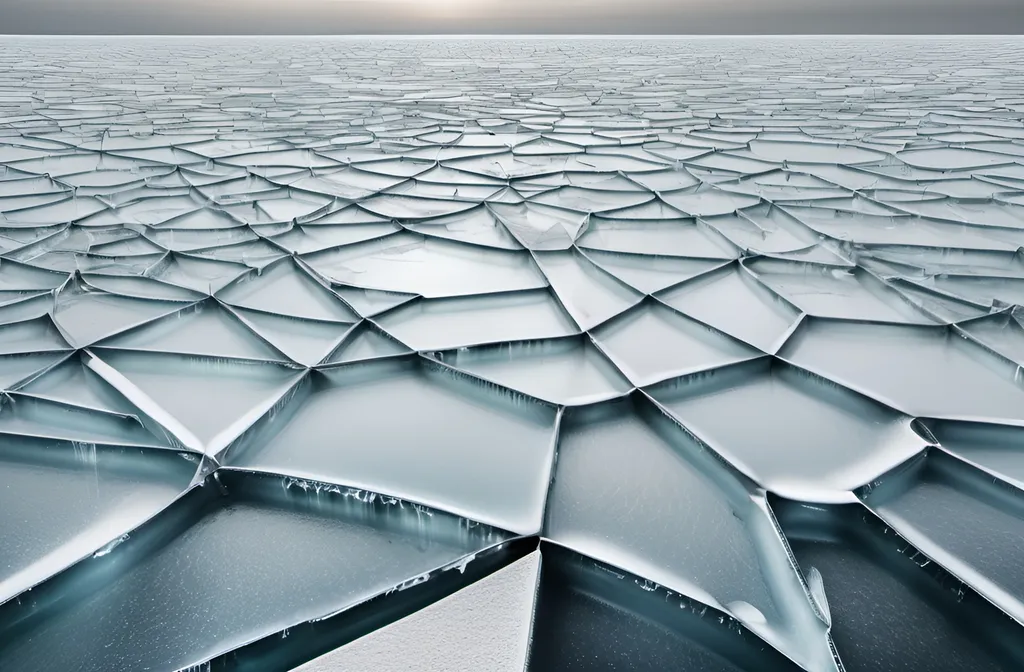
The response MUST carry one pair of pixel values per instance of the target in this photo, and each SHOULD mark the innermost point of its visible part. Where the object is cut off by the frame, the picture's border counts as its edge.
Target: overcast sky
(509, 16)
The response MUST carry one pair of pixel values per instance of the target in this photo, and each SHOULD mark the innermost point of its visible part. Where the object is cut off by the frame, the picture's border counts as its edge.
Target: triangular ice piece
(304, 341)
(485, 626)
(207, 329)
(205, 402)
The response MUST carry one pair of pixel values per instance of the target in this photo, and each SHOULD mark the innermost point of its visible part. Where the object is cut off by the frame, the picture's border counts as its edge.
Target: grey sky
(509, 16)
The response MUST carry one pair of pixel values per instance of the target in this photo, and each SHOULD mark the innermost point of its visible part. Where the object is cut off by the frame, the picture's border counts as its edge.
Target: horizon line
(522, 35)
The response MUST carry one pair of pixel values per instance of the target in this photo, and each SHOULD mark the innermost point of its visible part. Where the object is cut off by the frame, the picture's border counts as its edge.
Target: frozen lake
(653, 354)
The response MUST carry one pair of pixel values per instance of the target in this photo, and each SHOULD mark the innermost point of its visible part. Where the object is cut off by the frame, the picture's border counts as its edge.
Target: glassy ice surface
(569, 371)
(457, 443)
(997, 449)
(254, 567)
(633, 490)
(63, 500)
(619, 292)
(937, 503)
(591, 616)
(886, 612)
(801, 436)
(926, 371)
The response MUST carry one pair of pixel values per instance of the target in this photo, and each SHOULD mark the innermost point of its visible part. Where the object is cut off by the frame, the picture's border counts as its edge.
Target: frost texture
(386, 306)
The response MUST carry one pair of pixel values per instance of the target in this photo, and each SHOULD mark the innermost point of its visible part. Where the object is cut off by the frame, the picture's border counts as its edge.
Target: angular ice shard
(922, 371)
(416, 430)
(796, 434)
(891, 607)
(591, 615)
(485, 626)
(732, 300)
(632, 489)
(64, 500)
(935, 501)
(262, 555)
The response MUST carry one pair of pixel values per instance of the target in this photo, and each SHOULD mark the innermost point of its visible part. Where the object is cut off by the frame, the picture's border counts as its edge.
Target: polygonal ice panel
(85, 316)
(968, 522)
(592, 616)
(285, 288)
(15, 369)
(541, 227)
(34, 335)
(841, 293)
(1002, 332)
(137, 287)
(652, 342)
(64, 500)
(205, 402)
(419, 431)
(237, 567)
(302, 340)
(195, 273)
(891, 609)
(996, 449)
(366, 341)
(631, 489)
(589, 294)
(72, 382)
(731, 300)
(479, 226)
(567, 371)
(23, 415)
(205, 329)
(438, 324)
(798, 435)
(432, 267)
(654, 233)
(649, 273)
(922, 371)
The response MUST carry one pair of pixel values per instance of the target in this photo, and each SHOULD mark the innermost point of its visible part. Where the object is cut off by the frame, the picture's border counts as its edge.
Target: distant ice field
(495, 355)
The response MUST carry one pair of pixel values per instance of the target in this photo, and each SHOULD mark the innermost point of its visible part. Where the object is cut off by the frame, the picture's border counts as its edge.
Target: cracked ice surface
(305, 341)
